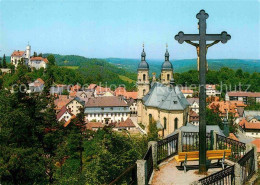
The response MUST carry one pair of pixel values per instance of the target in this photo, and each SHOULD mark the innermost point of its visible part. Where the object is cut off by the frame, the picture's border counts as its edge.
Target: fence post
(154, 145)
(215, 140)
(141, 172)
(180, 141)
(237, 172)
(249, 146)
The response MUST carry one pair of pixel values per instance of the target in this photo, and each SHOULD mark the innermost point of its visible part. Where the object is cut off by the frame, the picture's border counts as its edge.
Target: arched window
(168, 76)
(144, 77)
(150, 118)
(175, 123)
(164, 123)
(144, 92)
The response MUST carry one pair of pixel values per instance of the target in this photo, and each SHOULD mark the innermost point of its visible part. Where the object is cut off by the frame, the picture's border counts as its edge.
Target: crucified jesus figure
(198, 50)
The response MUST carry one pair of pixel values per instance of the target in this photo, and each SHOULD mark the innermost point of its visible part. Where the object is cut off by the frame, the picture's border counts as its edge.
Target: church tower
(143, 85)
(143, 77)
(167, 69)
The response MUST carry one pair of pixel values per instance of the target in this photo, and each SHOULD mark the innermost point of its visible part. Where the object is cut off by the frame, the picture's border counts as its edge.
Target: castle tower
(143, 84)
(167, 69)
(28, 54)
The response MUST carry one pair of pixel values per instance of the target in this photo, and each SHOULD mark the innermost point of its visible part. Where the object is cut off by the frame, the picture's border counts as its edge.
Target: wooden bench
(219, 155)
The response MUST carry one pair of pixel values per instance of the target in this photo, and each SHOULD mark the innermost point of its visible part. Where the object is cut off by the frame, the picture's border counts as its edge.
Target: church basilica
(160, 100)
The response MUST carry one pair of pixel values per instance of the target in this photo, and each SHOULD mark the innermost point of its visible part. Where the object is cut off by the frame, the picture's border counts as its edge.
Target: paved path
(168, 174)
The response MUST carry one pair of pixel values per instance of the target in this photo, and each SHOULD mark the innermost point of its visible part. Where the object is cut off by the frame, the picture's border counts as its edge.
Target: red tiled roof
(39, 59)
(68, 122)
(62, 111)
(120, 91)
(232, 136)
(127, 123)
(210, 86)
(92, 86)
(75, 88)
(247, 125)
(187, 91)
(194, 116)
(17, 53)
(62, 101)
(106, 101)
(227, 106)
(248, 94)
(91, 125)
(256, 142)
(102, 90)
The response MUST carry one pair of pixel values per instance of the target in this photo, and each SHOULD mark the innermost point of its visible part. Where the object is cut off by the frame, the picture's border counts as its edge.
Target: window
(175, 123)
(164, 122)
(168, 76)
(144, 92)
(150, 118)
(144, 77)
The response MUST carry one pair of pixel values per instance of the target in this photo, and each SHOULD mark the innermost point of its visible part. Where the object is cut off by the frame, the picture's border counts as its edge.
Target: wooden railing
(167, 147)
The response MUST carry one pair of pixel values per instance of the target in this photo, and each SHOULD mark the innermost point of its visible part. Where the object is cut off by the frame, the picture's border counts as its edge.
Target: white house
(106, 109)
(19, 55)
(64, 114)
(74, 105)
(38, 62)
(211, 90)
(194, 104)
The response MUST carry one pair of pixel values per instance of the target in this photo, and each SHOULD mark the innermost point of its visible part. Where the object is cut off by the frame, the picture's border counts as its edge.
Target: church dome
(167, 65)
(143, 65)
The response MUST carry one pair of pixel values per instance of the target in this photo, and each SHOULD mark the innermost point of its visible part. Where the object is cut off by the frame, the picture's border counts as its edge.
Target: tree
(51, 60)
(213, 118)
(4, 62)
(34, 54)
(40, 55)
(153, 131)
(1, 63)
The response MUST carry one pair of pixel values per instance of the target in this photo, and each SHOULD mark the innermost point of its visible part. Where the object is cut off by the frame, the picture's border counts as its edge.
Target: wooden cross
(202, 37)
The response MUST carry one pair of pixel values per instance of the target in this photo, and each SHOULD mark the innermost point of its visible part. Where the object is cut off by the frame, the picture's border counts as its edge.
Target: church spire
(167, 55)
(143, 55)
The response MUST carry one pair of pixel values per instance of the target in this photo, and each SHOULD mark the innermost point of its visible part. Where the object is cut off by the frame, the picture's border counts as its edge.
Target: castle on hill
(25, 58)
(160, 100)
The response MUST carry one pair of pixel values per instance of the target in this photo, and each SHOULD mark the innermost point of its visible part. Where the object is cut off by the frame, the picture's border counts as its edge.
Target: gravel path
(168, 174)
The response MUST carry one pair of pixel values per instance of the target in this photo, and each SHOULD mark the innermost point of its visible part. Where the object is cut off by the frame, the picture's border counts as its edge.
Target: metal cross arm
(223, 37)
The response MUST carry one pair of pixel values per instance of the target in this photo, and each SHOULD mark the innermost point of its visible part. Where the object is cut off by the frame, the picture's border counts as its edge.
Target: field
(71, 67)
(126, 78)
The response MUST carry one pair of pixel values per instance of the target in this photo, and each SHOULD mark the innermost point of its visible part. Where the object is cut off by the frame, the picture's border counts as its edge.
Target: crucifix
(202, 37)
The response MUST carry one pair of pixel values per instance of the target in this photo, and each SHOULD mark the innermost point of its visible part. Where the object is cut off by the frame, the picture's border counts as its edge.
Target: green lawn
(71, 67)
(126, 78)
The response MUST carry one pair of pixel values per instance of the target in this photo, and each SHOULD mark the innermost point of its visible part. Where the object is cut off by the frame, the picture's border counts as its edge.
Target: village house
(107, 109)
(125, 125)
(64, 114)
(227, 107)
(62, 100)
(94, 126)
(188, 93)
(101, 91)
(246, 97)
(250, 128)
(194, 104)
(36, 86)
(194, 118)
(211, 90)
(38, 63)
(75, 105)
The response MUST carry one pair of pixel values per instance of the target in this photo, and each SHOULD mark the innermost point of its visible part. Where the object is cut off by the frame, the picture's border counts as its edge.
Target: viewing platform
(229, 162)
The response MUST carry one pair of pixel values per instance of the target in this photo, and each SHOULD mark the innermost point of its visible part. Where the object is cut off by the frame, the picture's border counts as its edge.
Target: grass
(71, 67)
(126, 79)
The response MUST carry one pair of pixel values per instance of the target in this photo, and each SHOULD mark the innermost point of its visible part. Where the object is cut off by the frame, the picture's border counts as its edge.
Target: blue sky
(118, 28)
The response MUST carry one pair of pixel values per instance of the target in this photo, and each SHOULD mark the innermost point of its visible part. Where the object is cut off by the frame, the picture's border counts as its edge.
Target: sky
(113, 28)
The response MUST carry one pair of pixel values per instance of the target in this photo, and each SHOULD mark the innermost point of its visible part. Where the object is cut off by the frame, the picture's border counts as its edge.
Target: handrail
(122, 175)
